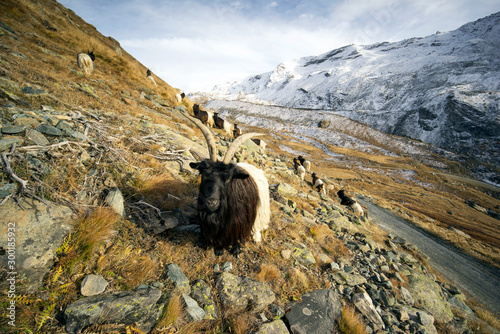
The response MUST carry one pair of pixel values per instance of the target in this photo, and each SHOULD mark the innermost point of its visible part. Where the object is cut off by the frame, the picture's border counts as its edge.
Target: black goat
(350, 202)
(318, 183)
(305, 163)
(233, 200)
(236, 130)
(202, 115)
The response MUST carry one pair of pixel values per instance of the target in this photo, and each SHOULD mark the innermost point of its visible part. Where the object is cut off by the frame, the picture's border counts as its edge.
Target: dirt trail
(470, 275)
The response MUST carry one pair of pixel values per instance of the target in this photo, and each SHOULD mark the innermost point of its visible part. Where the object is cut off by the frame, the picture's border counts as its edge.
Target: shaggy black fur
(344, 199)
(202, 115)
(227, 204)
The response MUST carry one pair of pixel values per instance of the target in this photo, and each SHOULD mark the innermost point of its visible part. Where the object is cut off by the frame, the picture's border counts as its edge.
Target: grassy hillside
(122, 112)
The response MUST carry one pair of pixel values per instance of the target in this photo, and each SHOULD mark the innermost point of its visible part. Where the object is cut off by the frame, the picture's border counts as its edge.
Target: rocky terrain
(441, 89)
(99, 232)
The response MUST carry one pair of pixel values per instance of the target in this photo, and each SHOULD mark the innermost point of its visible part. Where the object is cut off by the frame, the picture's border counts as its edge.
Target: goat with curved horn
(212, 148)
(237, 143)
(233, 200)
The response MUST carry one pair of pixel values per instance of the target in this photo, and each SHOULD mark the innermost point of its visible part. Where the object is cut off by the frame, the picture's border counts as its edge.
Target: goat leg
(218, 250)
(236, 251)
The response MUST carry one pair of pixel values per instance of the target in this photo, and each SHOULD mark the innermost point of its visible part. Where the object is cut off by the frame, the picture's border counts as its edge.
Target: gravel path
(470, 275)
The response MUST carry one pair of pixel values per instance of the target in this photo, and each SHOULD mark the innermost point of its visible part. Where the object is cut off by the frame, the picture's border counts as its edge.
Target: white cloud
(273, 4)
(195, 45)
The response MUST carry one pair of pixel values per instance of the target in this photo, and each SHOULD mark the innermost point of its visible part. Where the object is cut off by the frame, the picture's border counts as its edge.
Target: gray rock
(175, 275)
(277, 311)
(13, 129)
(316, 313)
(273, 327)
(429, 295)
(65, 127)
(286, 190)
(33, 91)
(37, 138)
(202, 293)
(78, 136)
(406, 296)
(425, 319)
(181, 108)
(364, 304)
(115, 200)
(456, 302)
(38, 234)
(226, 266)
(304, 256)
(6, 143)
(4, 193)
(49, 130)
(139, 307)
(194, 311)
(239, 294)
(93, 285)
(349, 279)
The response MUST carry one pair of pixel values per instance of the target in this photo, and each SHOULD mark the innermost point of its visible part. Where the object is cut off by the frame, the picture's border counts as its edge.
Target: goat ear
(239, 174)
(195, 165)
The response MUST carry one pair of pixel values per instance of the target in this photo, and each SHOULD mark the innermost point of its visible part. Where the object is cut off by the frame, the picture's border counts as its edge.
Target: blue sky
(196, 44)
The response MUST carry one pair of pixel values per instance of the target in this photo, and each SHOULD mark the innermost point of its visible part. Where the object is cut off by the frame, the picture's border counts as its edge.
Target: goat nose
(212, 203)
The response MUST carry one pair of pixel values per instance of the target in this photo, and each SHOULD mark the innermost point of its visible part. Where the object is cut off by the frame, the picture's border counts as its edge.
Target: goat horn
(212, 148)
(237, 143)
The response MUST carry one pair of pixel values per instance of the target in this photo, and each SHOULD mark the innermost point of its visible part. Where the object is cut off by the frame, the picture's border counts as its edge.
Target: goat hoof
(236, 251)
(219, 252)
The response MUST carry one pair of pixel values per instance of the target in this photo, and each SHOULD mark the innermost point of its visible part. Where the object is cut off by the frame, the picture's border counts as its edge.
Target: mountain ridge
(442, 89)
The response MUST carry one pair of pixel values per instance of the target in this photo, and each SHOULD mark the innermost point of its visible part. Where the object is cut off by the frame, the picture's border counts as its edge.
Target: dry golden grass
(350, 322)
(486, 316)
(296, 281)
(171, 313)
(129, 263)
(239, 324)
(328, 241)
(268, 273)
(94, 229)
(129, 256)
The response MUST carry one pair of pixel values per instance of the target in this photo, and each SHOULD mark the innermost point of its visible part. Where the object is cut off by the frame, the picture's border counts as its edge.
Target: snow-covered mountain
(443, 89)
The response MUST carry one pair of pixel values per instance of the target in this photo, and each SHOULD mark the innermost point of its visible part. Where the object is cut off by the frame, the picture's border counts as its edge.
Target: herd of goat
(233, 199)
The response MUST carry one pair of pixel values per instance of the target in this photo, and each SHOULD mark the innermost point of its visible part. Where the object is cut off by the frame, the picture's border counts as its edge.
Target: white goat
(299, 169)
(318, 183)
(149, 75)
(86, 61)
(305, 163)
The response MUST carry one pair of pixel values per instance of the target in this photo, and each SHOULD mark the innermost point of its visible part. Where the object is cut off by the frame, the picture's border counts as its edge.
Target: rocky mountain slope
(442, 89)
(97, 210)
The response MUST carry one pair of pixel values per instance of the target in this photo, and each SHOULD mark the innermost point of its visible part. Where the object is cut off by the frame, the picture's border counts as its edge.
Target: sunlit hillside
(120, 131)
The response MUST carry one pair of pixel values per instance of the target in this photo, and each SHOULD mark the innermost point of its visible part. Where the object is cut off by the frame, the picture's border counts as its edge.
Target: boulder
(364, 304)
(202, 293)
(316, 313)
(139, 307)
(427, 293)
(38, 231)
(193, 310)
(238, 294)
(176, 276)
(286, 190)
